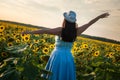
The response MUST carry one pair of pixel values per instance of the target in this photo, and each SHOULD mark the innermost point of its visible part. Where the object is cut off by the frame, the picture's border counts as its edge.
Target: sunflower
(36, 49)
(45, 35)
(17, 40)
(24, 35)
(4, 54)
(52, 46)
(46, 45)
(2, 28)
(42, 41)
(30, 45)
(16, 36)
(1, 34)
(97, 53)
(75, 44)
(93, 49)
(111, 54)
(26, 38)
(36, 41)
(45, 50)
(118, 48)
(85, 45)
(44, 58)
(7, 36)
(107, 48)
(74, 50)
(80, 50)
(9, 44)
(2, 39)
(35, 54)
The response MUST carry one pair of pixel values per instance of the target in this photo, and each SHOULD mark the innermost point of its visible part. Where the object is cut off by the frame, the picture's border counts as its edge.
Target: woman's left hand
(104, 15)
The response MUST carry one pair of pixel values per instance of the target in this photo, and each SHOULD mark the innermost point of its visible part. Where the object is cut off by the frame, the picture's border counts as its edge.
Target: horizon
(48, 13)
(45, 27)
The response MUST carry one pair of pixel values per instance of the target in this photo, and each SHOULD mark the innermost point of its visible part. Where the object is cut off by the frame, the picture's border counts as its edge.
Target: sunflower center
(26, 38)
(1, 27)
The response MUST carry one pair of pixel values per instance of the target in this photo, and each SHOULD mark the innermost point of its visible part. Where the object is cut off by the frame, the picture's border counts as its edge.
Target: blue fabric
(70, 16)
(61, 62)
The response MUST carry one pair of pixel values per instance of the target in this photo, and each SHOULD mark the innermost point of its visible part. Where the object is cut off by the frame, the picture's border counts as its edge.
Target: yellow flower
(9, 44)
(23, 35)
(84, 45)
(1, 34)
(31, 45)
(46, 45)
(36, 41)
(111, 54)
(97, 53)
(113, 45)
(2, 28)
(80, 50)
(106, 48)
(26, 38)
(17, 40)
(42, 41)
(52, 46)
(37, 49)
(74, 50)
(44, 58)
(92, 50)
(118, 48)
(45, 35)
(2, 39)
(4, 54)
(35, 54)
(75, 44)
(45, 50)
(16, 36)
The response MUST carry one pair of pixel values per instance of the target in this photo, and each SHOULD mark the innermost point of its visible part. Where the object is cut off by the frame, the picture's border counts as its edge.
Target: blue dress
(61, 62)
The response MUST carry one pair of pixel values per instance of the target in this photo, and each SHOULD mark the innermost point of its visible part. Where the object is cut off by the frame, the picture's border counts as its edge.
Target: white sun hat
(70, 16)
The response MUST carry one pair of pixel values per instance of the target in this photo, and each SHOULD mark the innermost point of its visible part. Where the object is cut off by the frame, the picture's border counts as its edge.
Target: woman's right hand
(104, 15)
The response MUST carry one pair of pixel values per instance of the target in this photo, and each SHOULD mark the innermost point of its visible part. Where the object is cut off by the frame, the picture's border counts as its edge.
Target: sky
(49, 13)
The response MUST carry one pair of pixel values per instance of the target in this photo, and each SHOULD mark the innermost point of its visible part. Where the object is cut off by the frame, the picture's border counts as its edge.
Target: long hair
(69, 31)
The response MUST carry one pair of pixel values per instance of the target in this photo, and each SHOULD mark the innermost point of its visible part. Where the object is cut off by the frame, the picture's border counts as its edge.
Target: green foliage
(23, 57)
(99, 63)
(20, 66)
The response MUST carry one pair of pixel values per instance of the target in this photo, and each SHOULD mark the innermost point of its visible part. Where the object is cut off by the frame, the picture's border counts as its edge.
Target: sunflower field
(23, 57)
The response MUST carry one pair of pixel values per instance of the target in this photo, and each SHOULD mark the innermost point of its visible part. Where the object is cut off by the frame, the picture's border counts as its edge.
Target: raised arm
(54, 31)
(85, 26)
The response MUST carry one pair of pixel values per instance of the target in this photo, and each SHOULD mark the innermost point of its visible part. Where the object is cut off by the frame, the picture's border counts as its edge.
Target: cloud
(95, 1)
(91, 1)
(115, 12)
(118, 9)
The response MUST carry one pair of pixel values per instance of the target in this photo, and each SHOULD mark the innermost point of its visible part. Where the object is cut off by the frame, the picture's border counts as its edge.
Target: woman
(61, 62)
